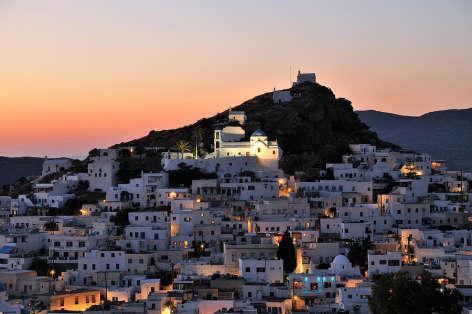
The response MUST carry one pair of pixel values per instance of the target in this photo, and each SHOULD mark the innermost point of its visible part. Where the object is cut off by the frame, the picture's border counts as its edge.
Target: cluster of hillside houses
(212, 247)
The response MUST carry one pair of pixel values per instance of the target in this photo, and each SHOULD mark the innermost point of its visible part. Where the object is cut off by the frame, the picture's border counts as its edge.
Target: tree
(139, 150)
(124, 153)
(35, 304)
(286, 252)
(94, 152)
(357, 254)
(166, 278)
(182, 147)
(132, 167)
(82, 186)
(121, 218)
(323, 266)
(185, 174)
(397, 293)
(39, 265)
(197, 134)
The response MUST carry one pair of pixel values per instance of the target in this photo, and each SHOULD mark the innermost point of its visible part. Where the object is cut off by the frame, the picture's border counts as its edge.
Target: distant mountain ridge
(13, 168)
(445, 134)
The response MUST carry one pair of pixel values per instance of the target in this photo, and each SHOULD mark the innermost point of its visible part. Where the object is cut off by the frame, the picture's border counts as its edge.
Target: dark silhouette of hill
(445, 134)
(313, 128)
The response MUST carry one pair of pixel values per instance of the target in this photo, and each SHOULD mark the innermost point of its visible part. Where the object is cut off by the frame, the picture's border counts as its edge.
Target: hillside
(443, 134)
(13, 168)
(313, 128)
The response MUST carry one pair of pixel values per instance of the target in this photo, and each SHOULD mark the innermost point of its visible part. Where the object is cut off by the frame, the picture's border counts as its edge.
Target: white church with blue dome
(229, 142)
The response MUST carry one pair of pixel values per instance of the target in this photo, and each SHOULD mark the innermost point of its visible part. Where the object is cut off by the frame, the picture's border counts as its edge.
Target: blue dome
(258, 132)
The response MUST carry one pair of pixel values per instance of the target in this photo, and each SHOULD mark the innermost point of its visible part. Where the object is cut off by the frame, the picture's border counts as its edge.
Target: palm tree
(197, 134)
(182, 147)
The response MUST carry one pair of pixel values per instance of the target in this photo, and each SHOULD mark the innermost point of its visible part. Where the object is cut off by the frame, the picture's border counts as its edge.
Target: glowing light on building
(165, 310)
(299, 268)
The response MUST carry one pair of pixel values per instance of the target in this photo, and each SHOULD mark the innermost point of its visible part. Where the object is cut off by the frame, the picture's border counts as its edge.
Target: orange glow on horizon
(89, 74)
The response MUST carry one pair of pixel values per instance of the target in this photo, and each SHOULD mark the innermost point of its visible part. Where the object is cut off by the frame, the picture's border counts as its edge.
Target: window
(247, 270)
(260, 269)
(393, 262)
(76, 300)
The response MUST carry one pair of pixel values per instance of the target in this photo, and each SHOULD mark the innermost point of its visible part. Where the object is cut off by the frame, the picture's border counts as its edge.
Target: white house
(262, 270)
(383, 262)
(305, 78)
(54, 165)
(95, 262)
(147, 287)
(102, 170)
(341, 266)
(281, 96)
(355, 298)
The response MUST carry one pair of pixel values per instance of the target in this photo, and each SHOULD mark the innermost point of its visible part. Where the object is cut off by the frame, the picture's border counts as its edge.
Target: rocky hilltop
(312, 128)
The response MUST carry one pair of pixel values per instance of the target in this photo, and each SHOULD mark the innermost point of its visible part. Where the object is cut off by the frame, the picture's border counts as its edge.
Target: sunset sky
(75, 75)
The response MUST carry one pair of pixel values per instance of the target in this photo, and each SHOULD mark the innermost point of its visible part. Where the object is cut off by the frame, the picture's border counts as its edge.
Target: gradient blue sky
(84, 74)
